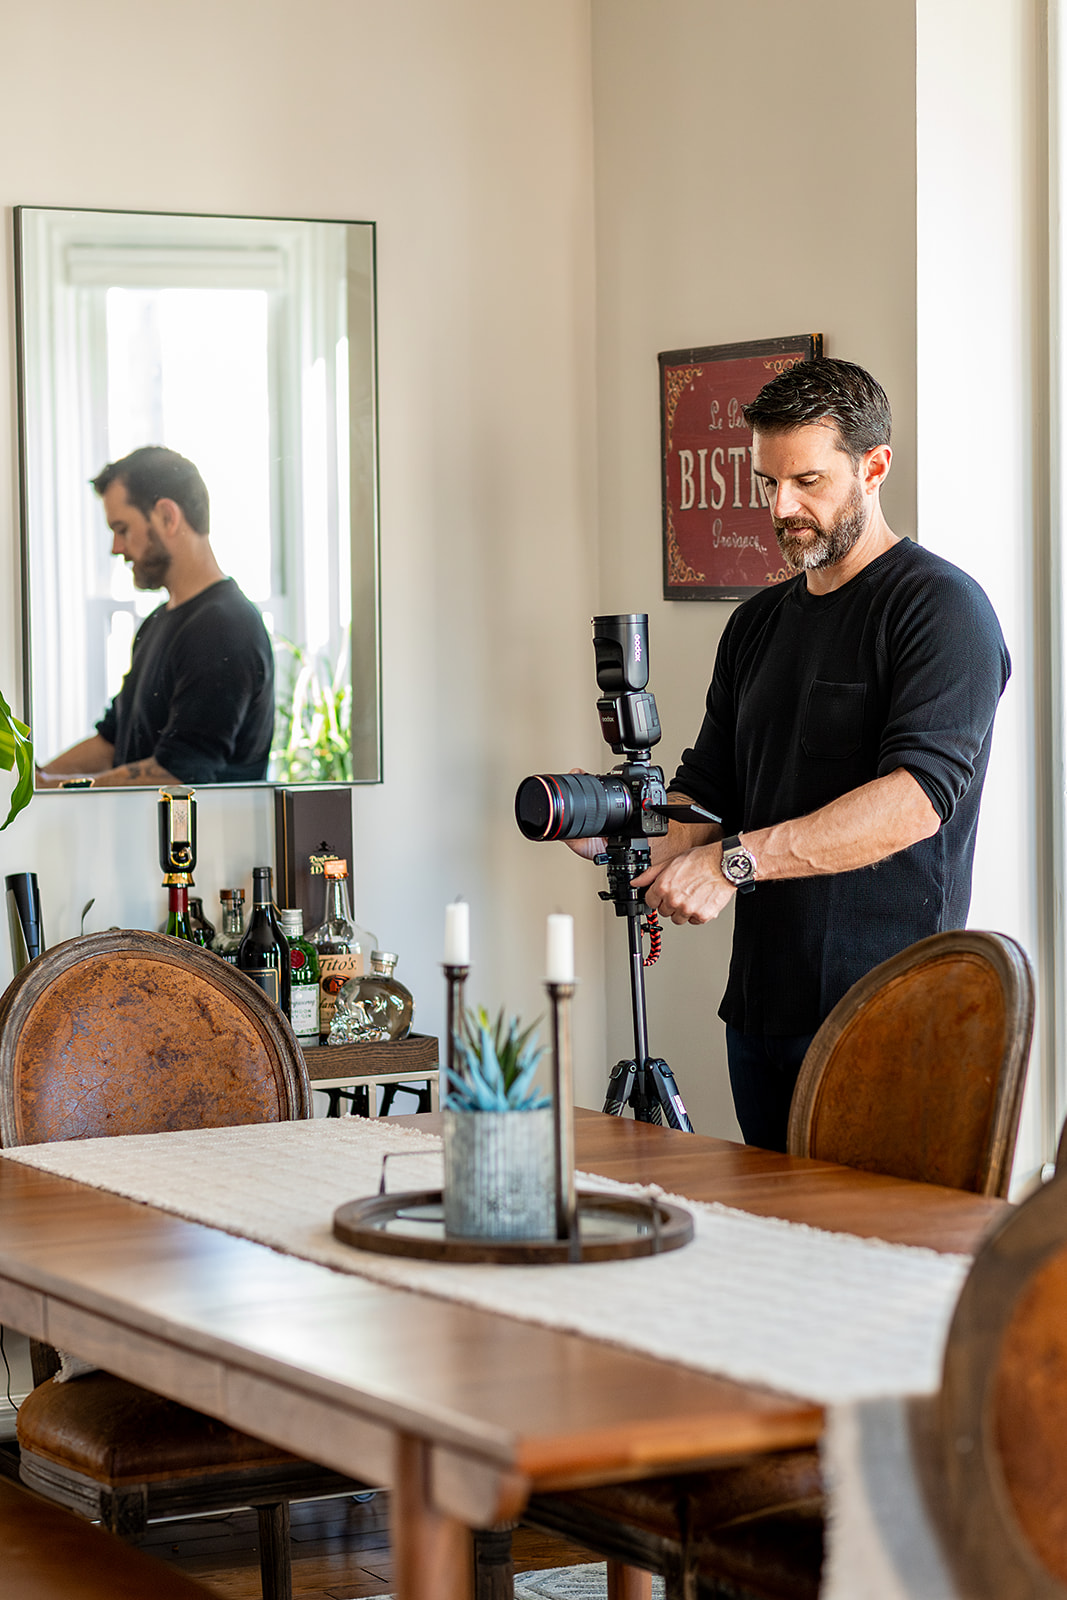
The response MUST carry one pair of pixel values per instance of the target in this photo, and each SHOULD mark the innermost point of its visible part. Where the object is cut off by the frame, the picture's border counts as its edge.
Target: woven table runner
(824, 1315)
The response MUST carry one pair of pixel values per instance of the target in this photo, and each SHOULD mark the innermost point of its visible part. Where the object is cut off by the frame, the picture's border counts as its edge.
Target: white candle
(457, 934)
(559, 949)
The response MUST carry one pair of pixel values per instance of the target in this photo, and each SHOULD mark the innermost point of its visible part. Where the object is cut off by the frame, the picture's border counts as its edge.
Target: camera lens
(572, 805)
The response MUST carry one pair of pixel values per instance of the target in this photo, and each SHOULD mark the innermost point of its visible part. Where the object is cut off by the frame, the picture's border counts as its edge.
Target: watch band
(738, 865)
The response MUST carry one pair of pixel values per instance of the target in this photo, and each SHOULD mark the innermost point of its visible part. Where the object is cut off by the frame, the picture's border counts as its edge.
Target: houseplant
(498, 1134)
(16, 751)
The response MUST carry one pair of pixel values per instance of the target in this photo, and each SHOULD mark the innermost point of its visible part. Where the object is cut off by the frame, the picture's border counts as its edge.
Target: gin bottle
(304, 977)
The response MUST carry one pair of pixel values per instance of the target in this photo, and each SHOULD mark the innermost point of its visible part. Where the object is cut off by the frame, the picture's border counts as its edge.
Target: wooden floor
(340, 1550)
(340, 1547)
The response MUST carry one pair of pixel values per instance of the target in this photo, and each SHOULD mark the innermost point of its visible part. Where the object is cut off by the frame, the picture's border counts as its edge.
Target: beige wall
(464, 130)
(755, 176)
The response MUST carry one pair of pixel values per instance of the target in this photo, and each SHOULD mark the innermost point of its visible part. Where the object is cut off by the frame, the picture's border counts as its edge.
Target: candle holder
(455, 979)
(560, 996)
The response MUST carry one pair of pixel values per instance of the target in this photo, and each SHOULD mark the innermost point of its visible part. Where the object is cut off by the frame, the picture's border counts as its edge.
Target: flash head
(621, 647)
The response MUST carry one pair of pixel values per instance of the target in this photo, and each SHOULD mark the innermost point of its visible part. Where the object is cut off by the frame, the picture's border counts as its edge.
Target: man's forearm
(87, 759)
(682, 836)
(135, 773)
(862, 827)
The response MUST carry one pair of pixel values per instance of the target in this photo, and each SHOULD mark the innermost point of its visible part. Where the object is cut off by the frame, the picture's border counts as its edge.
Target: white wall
(755, 176)
(464, 130)
(983, 487)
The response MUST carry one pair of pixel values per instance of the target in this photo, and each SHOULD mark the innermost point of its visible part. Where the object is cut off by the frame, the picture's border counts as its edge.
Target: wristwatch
(738, 865)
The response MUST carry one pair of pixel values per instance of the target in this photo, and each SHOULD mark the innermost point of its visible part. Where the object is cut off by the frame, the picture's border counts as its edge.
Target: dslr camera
(629, 802)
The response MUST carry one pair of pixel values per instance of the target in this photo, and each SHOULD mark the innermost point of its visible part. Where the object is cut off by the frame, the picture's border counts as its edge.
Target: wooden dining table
(460, 1413)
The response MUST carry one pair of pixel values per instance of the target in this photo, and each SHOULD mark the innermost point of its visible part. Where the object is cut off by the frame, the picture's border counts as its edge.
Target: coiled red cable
(651, 926)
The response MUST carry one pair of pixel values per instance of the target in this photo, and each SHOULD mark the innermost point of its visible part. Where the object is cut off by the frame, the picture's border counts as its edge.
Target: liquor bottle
(304, 974)
(263, 954)
(227, 941)
(178, 924)
(375, 1007)
(203, 930)
(343, 948)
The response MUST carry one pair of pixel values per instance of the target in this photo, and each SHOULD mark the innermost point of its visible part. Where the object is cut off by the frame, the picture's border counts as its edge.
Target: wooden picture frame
(718, 542)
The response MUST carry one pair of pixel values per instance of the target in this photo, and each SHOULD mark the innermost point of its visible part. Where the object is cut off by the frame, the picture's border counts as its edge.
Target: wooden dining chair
(990, 1468)
(917, 1073)
(135, 1033)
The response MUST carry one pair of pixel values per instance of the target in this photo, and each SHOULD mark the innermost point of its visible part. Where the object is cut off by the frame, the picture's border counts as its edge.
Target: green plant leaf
(495, 1063)
(16, 750)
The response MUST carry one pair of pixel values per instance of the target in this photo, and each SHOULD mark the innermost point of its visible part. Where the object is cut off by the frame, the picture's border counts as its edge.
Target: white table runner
(828, 1316)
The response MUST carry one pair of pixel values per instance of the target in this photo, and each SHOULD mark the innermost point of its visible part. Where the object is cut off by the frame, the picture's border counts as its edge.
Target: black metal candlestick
(455, 978)
(560, 996)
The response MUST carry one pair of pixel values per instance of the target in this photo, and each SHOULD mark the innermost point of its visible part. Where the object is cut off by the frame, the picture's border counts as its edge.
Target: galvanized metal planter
(499, 1174)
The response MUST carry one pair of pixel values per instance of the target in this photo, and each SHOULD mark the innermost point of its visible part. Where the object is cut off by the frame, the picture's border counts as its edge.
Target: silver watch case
(738, 865)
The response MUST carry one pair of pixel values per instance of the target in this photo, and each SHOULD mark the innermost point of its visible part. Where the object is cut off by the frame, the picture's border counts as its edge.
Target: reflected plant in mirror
(246, 346)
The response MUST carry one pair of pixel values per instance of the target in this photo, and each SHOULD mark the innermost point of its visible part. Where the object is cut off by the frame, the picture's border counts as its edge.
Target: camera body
(630, 801)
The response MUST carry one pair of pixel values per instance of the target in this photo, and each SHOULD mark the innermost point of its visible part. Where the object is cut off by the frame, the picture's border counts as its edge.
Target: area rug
(565, 1583)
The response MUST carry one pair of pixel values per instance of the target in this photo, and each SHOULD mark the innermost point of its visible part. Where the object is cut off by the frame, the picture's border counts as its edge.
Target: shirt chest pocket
(833, 720)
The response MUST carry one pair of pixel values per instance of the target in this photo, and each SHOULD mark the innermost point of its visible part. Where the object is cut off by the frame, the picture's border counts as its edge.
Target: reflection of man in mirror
(197, 705)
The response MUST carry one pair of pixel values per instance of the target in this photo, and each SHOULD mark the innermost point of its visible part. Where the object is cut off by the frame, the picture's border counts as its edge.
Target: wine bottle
(304, 974)
(263, 954)
(178, 924)
(203, 930)
(343, 948)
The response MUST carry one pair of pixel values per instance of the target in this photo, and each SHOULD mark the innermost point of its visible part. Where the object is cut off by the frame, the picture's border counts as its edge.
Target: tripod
(646, 1083)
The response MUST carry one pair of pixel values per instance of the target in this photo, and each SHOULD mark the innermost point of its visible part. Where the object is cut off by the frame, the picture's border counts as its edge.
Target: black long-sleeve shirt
(199, 695)
(812, 697)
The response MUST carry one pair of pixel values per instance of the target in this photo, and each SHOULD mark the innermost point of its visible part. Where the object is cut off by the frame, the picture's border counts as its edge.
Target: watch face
(737, 866)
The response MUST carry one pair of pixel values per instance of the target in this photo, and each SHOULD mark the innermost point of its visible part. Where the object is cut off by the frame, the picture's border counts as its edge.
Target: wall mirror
(247, 344)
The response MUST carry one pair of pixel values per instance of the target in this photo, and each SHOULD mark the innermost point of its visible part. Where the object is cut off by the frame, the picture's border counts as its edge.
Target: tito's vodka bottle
(304, 973)
(343, 948)
(264, 950)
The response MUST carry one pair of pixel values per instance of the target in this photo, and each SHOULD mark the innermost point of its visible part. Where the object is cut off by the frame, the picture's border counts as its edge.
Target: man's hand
(688, 887)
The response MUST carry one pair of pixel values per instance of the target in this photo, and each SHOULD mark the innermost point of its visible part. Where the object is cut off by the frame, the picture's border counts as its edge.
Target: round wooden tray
(610, 1228)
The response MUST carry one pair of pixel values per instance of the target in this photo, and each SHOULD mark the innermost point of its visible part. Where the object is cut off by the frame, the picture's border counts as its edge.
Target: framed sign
(718, 542)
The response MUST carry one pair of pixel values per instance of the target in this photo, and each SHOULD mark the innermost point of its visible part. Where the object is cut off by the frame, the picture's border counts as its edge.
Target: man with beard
(844, 745)
(197, 705)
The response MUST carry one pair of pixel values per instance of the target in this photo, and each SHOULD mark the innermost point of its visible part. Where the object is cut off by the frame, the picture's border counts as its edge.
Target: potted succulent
(498, 1131)
(16, 751)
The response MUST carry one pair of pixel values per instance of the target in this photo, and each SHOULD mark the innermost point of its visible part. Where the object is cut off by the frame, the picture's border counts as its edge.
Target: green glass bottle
(178, 924)
(304, 964)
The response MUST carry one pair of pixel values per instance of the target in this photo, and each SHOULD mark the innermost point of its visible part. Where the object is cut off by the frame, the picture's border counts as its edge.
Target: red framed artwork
(718, 543)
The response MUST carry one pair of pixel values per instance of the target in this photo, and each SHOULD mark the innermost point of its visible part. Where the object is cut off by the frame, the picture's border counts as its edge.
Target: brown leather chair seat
(119, 1433)
(46, 1553)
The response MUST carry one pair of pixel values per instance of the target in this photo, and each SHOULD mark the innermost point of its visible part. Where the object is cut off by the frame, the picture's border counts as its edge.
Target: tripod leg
(668, 1096)
(620, 1088)
(643, 1098)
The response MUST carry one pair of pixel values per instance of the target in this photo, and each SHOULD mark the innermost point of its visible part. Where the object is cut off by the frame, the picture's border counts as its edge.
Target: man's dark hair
(155, 473)
(825, 390)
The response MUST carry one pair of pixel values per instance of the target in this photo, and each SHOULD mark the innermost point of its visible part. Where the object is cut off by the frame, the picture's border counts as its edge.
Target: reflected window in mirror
(248, 346)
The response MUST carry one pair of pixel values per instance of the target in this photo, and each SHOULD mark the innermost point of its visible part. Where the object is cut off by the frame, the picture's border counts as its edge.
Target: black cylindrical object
(24, 918)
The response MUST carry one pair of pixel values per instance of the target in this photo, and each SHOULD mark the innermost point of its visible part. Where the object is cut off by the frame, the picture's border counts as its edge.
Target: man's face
(136, 539)
(818, 505)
